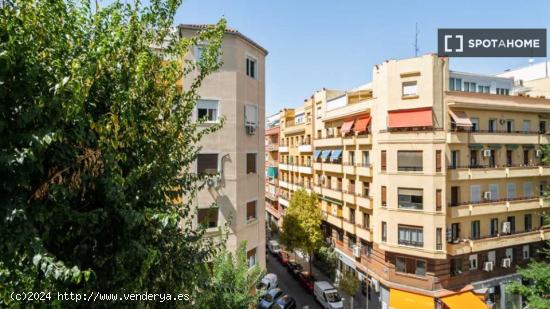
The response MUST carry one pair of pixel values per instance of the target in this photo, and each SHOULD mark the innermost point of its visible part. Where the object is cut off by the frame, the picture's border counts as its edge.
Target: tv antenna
(416, 32)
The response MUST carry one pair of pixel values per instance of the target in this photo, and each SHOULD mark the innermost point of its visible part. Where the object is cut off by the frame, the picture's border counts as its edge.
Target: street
(290, 285)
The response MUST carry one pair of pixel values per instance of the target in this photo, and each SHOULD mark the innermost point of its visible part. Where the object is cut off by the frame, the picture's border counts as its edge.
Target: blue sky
(334, 44)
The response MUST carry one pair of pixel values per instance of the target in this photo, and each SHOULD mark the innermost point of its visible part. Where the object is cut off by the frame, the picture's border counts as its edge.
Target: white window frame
(249, 57)
(526, 126)
(409, 88)
(208, 101)
(247, 121)
(255, 257)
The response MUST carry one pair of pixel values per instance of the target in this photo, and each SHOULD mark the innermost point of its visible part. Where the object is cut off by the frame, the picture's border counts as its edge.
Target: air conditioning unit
(506, 262)
(538, 153)
(488, 266)
(213, 182)
(506, 227)
(487, 195)
(487, 152)
(250, 129)
(357, 251)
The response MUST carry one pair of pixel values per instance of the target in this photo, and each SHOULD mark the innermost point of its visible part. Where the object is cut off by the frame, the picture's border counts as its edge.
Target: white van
(267, 283)
(327, 295)
(273, 247)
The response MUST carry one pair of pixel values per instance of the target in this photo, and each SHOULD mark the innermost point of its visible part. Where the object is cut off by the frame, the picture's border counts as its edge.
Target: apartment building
(430, 181)
(236, 153)
(274, 212)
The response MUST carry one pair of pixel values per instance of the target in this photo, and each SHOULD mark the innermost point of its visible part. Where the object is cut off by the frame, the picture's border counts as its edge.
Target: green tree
(96, 149)
(231, 282)
(349, 284)
(302, 223)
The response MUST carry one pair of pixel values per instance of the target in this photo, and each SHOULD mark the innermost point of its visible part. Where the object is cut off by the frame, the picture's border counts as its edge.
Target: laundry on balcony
(410, 118)
(325, 154)
(460, 118)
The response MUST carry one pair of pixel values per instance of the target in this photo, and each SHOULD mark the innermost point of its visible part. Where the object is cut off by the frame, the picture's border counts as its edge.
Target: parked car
(269, 298)
(282, 257)
(306, 280)
(327, 295)
(273, 247)
(268, 282)
(285, 302)
(294, 268)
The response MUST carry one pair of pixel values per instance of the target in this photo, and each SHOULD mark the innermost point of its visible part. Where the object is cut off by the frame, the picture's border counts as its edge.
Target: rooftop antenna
(416, 40)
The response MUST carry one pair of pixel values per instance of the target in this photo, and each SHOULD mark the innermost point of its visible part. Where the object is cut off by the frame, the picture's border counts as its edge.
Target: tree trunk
(351, 302)
(310, 267)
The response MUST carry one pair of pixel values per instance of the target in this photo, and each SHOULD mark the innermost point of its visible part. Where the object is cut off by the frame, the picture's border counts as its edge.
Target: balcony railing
(410, 243)
(466, 130)
(495, 201)
(410, 168)
(495, 166)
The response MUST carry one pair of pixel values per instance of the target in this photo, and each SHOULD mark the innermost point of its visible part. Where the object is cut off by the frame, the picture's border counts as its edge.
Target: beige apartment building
(236, 153)
(430, 182)
(274, 211)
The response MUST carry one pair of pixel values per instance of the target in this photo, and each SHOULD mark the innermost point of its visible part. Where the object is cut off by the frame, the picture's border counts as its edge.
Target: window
(469, 87)
(420, 268)
(351, 240)
(528, 222)
(473, 158)
(365, 157)
(512, 220)
(251, 115)
(299, 118)
(475, 124)
(383, 160)
(251, 257)
(383, 196)
(483, 89)
(542, 126)
(474, 233)
(492, 125)
(455, 158)
(400, 264)
(473, 262)
(409, 89)
(526, 126)
(208, 217)
(365, 189)
(493, 188)
(509, 126)
(509, 157)
(352, 216)
(494, 227)
(409, 160)
(366, 220)
(250, 163)
(351, 157)
(438, 239)
(455, 195)
(384, 231)
(503, 91)
(410, 236)
(199, 49)
(528, 190)
(318, 114)
(207, 110)
(410, 198)
(525, 156)
(438, 161)
(438, 201)
(526, 252)
(456, 266)
(207, 163)
(455, 84)
(251, 210)
(455, 232)
(511, 191)
(475, 193)
(251, 67)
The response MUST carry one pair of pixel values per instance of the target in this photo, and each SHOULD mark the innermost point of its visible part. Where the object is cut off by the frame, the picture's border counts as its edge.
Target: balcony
(348, 168)
(363, 201)
(271, 196)
(283, 148)
(284, 184)
(363, 232)
(496, 207)
(348, 110)
(488, 172)
(363, 169)
(492, 137)
(363, 139)
(295, 129)
(283, 201)
(276, 212)
(304, 169)
(496, 242)
(331, 167)
(272, 147)
(333, 219)
(327, 142)
(349, 226)
(349, 196)
(305, 146)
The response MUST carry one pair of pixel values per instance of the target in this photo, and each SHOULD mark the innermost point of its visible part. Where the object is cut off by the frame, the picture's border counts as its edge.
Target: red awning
(421, 117)
(346, 127)
(362, 124)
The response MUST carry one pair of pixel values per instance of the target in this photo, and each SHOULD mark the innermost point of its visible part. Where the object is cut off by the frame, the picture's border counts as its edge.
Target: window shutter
(383, 194)
(438, 200)
(438, 160)
(383, 159)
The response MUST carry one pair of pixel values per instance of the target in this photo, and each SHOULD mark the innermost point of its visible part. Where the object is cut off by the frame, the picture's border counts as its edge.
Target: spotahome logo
(491, 42)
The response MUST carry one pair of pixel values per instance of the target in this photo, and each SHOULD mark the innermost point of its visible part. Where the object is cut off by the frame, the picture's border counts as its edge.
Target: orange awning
(464, 300)
(406, 300)
(346, 127)
(421, 117)
(460, 118)
(362, 124)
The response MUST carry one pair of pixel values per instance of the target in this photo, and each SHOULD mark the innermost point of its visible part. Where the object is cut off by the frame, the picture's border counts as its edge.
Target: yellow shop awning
(464, 300)
(405, 300)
